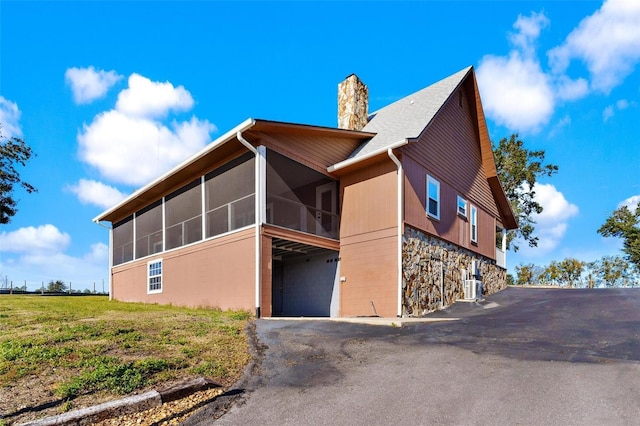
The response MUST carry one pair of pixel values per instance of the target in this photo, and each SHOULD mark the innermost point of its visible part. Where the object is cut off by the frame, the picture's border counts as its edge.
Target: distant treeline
(607, 272)
(51, 288)
(51, 293)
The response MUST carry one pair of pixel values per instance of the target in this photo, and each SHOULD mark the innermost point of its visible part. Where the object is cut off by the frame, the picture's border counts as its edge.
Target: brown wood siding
(486, 235)
(315, 152)
(449, 149)
(415, 183)
(451, 226)
(369, 266)
(369, 241)
(369, 199)
(215, 273)
(266, 277)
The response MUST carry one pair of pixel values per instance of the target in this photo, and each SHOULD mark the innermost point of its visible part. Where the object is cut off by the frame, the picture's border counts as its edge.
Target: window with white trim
(433, 197)
(154, 276)
(474, 224)
(462, 206)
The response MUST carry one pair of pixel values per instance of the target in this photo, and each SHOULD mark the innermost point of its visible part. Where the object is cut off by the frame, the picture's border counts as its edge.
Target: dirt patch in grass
(63, 353)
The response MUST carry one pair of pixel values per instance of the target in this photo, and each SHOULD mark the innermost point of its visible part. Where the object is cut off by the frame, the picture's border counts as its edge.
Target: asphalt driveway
(522, 357)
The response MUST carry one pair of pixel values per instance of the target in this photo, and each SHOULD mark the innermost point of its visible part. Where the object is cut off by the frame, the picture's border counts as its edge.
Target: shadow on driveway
(297, 363)
(577, 325)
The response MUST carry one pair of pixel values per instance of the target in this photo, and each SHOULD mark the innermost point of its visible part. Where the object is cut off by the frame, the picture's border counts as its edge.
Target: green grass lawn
(79, 347)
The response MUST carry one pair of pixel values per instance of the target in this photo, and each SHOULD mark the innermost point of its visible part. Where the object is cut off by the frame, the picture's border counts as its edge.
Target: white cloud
(87, 84)
(608, 42)
(133, 143)
(99, 252)
(516, 93)
(556, 207)
(529, 28)
(38, 267)
(552, 223)
(520, 95)
(96, 193)
(134, 150)
(562, 123)
(146, 98)
(43, 239)
(9, 117)
(608, 113)
(571, 90)
(620, 105)
(631, 202)
(36, 255)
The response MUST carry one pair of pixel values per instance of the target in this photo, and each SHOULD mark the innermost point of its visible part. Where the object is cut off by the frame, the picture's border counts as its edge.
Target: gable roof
(405, 120)
(409, 116)
(390, 127)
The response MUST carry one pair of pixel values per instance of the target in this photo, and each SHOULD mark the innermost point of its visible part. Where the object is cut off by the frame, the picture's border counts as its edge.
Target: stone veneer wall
(421, 254)
(353, 104)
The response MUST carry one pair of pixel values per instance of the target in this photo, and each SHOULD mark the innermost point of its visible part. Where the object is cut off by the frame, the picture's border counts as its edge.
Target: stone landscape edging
(128, 405)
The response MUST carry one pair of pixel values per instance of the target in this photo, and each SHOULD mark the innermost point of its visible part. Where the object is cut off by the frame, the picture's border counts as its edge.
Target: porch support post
(261, 200)
(259, 194)
(135, 237)
(110, 265)
(504, 246)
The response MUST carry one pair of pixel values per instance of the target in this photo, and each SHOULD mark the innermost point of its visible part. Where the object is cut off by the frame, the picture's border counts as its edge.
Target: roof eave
(336, 131)
(355, 160)
(488, 161)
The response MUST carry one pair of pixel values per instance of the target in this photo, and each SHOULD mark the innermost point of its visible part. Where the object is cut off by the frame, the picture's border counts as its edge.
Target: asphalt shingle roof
(409, 116)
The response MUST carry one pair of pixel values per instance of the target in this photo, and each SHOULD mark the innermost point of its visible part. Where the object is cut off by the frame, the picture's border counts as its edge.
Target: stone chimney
(353, 103)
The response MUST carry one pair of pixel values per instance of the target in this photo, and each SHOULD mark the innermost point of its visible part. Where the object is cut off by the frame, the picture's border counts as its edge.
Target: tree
(634, 275)
(570, 270)
(610, 269)
(527, 274)
(57, 286)
(592, 273)
(625, 224)
(552, 272)
(518, 170)
(13, 152)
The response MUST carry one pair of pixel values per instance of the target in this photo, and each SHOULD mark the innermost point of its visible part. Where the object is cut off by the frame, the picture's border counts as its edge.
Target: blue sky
(112, 94)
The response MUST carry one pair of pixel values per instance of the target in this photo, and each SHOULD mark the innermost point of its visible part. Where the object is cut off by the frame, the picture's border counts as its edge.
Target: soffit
(285, 248)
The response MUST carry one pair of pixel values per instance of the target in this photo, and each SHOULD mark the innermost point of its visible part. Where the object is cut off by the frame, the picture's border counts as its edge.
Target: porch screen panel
(123, 241)
(295, 199)
(183, 215)
(149, 230)
(230, 196)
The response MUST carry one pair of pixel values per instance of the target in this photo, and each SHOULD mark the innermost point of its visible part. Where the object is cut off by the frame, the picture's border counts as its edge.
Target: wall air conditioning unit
(472, 282)
(470, 287)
